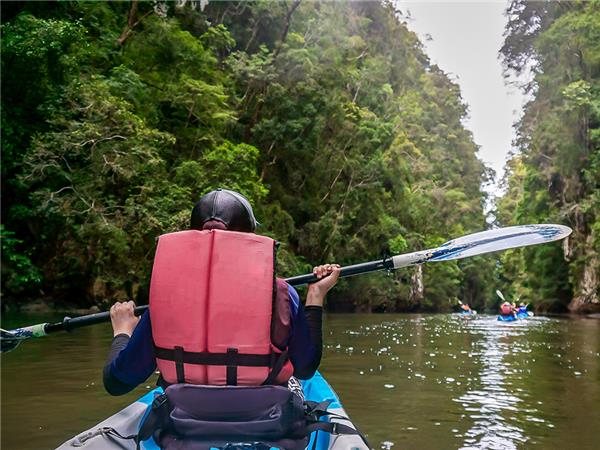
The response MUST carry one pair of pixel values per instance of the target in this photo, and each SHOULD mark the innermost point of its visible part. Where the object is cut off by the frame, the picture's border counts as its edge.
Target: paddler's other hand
(328, 275)
(123, 318)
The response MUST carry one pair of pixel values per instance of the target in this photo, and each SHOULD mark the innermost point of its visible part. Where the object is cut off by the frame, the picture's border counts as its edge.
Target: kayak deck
(127, 421)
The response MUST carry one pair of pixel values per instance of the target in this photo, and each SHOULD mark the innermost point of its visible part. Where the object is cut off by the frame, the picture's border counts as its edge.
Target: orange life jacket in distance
(219, 316)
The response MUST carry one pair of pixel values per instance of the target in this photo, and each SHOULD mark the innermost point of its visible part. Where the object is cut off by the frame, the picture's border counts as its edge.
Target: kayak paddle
(471, 245)
(500, 295)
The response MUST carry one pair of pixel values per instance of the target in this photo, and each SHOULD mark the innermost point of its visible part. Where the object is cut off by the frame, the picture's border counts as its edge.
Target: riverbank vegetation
(117, 117)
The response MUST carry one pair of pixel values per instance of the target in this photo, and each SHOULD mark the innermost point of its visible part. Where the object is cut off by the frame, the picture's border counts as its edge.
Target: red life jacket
(219, 316)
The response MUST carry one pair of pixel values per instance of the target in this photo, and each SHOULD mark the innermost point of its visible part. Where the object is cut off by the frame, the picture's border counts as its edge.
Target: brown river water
(407, 381)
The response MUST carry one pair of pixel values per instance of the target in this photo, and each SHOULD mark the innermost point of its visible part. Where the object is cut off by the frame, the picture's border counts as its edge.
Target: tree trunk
(286, 27)
(132, 21)
(586, 294)
(416, 286)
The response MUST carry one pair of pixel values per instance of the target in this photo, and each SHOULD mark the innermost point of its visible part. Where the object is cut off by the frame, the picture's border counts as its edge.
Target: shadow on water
(408, 381)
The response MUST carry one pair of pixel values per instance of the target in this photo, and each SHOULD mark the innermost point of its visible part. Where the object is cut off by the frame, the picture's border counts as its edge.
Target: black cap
(229, 207)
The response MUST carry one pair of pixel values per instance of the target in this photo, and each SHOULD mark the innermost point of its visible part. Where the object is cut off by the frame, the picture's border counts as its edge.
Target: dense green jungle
(328, 116)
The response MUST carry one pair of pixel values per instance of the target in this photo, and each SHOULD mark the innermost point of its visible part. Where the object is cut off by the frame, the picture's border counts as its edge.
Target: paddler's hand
(328, 275)
(123, 318)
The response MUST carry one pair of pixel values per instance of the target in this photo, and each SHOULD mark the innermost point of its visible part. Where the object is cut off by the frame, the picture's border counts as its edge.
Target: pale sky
(463, 39)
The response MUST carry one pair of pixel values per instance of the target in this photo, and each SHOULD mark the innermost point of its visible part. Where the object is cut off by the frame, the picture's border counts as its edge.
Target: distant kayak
(468, 313)
(127, 421)
(508, 318)
(524, 315)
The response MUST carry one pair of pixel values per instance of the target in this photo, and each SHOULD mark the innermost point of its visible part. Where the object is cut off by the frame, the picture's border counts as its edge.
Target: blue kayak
(509, 318)
(127, 422)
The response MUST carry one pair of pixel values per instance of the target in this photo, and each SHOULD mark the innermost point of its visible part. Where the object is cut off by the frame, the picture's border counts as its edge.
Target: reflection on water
(492, 406)
(408, 381)
(436, 381)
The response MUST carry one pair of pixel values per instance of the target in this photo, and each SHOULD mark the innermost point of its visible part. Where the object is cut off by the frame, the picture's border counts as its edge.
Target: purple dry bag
(198, 417)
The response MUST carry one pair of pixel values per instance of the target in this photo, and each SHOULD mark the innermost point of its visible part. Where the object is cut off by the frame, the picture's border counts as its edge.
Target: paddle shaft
(69, 324)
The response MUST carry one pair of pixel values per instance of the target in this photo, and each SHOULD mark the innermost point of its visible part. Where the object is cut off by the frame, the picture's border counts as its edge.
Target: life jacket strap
(231, 360)
(214, 359)
(276, 366)
(232, 354)
(178, 358)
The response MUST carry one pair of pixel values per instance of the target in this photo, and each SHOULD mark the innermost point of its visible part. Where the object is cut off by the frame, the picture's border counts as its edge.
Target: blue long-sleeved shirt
(131, 360)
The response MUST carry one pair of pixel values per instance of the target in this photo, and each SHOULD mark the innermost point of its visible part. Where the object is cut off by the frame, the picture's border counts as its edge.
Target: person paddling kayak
(218, 316)
(522, 312)
(507, 312)
(465, 309)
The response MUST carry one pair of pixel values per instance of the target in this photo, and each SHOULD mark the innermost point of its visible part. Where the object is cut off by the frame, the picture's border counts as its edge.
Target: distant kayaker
(295, 331)
(506, 309)
(466, 308)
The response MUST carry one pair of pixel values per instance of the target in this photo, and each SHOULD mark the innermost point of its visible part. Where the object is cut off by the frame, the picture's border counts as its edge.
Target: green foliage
(44, 47)
(38, 55)
(334, 124)
(442, 286)
(18, 272)
(397, 244)
(90, 177)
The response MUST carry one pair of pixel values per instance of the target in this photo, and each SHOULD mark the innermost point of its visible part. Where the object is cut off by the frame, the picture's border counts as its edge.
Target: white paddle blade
(499, 239)
(499, 294)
